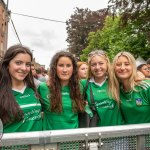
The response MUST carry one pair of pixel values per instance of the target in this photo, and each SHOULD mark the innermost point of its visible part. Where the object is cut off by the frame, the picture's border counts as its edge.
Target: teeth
(21, 72)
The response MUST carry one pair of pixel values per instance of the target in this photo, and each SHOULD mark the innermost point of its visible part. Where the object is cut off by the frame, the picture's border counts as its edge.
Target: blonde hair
(115, 86)
(103, 55)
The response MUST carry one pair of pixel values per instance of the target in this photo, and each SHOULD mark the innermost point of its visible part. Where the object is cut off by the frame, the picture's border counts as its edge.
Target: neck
(18, 85)
(64, 83)
(99, 80)
(126, 86)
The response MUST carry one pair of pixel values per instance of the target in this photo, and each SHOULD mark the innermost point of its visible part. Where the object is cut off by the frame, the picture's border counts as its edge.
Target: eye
(28, 64)
(68, 65)
(18, 62)
(118, 64)
(100, 63)
(127, 64)
(93, 65)
(60, 65)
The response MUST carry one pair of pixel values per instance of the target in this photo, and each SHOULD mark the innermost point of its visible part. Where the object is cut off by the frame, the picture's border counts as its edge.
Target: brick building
(4, 13)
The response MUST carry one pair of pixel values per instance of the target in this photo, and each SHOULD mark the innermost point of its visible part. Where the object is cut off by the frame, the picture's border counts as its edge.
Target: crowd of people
(32, 99)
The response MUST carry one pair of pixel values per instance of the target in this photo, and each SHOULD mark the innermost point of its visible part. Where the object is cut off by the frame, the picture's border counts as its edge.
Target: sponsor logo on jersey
(25, 96)
(105, 104)
(34, 114)
(65, 93)
(99, 91)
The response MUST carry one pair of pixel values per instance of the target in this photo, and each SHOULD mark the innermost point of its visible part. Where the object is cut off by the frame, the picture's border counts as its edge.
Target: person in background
(82, 69)
(148, 64)
(62, 99)
(133, 94)
(45, 74)
(40, 75)
(34, 74)
(33, 70)
(143, 68)
(20, 108)
(99, 81)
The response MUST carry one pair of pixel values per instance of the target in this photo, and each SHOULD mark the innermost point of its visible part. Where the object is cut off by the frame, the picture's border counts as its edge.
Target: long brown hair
(55, 85)
(9, 108)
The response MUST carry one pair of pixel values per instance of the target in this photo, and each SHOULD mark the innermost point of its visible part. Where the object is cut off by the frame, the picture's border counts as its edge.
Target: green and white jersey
(107, 108)
(135, 105)
(67, 119)
(31, 108)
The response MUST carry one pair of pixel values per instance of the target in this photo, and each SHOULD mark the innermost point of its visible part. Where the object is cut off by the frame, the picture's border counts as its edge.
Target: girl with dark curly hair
(62, 98)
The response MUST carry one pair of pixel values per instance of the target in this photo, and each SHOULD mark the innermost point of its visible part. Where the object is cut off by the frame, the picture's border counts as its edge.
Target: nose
(23, 67)
(122, 66)
(64, 68)
(97, 65)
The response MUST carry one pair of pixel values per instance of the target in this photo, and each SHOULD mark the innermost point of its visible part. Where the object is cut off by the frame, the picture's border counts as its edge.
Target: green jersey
(31, 108)
(107, 108)
(135, 105)
(67, 119)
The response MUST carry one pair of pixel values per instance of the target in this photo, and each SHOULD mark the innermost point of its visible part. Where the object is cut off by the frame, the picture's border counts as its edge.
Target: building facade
(3, 27)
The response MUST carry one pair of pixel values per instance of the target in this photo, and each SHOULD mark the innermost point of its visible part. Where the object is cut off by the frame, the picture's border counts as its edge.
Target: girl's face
(64, 69)
(145, 70)
(98, 67)
(19, 67)
(123, 68)
(82, 71)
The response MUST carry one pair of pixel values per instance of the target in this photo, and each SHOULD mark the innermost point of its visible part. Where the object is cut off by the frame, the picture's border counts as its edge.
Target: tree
(114, 39)
(80, 24)
(135, 11)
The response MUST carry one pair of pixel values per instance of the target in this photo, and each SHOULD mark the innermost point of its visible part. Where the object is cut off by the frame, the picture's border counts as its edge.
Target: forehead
(64, 59)
(83, 65)
(144, 66)
(22, 57)
(98, 58)
(122, 58)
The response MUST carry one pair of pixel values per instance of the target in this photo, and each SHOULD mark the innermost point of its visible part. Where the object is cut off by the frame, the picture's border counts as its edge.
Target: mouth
(21, 72)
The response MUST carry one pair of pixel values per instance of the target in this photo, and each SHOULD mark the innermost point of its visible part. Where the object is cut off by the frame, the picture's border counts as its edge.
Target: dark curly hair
(55, 85)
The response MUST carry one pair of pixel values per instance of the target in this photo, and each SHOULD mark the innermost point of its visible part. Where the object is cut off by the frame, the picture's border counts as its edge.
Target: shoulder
(43, 86)
(83, 81)
(36, 82)
(145, 84)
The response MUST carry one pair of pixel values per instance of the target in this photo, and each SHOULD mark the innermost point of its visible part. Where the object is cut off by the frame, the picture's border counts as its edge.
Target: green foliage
(113, 39)
(135, 11)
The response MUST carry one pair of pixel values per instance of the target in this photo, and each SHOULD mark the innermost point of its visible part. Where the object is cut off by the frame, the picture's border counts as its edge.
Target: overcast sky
(41, 36)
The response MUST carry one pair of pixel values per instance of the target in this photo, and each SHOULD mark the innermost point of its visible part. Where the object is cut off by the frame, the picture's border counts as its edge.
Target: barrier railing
(127, 137)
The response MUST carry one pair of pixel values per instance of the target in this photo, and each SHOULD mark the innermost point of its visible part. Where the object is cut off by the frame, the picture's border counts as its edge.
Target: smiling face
(19, 67)
(64, 70)
(123, 68)
(98, 66)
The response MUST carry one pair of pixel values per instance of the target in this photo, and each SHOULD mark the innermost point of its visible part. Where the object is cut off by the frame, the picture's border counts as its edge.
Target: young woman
(82, 69)
(133, 94)
(99, 81)
(20, 109)
(62, 98)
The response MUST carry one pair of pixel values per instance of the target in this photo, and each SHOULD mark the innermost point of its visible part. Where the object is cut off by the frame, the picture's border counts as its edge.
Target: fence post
(140, 142)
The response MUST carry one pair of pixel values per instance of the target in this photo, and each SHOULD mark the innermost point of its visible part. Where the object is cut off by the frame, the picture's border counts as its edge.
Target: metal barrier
(127, 137)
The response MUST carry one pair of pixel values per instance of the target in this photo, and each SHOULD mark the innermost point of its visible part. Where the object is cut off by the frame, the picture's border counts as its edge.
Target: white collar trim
(21, 91)
(99, 84)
